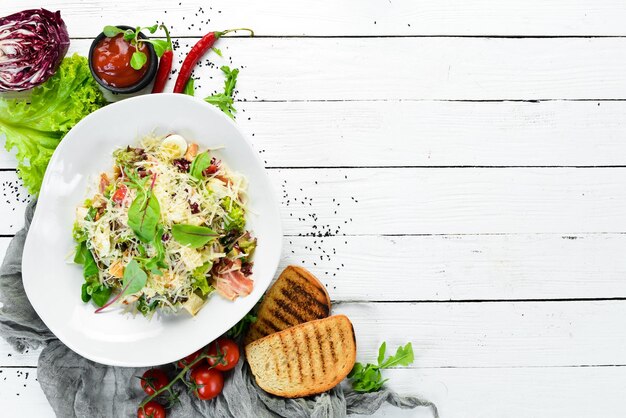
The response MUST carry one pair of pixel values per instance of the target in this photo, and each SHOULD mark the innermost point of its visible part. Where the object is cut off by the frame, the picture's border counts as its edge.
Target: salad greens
(134, 278)
(368, 378)
(193, 236)
(92, 288)
(199, 164)
(143, 216)
(36, 129)
(163, 232)
(235, 217)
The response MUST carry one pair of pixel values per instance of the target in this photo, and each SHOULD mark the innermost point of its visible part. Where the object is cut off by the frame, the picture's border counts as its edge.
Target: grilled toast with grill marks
(296, 297)
(305, 359)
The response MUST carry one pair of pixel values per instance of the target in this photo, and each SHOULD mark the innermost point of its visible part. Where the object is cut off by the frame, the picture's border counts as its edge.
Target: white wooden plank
(464, 267)
(433, 201)
(488, 334)
(415, 68)
(458, 267)
(351, 17)
(431, 133)
(434, 133)
(423, 201)
(574, 392)
(21, 395)
(493, 334)
(10, 357)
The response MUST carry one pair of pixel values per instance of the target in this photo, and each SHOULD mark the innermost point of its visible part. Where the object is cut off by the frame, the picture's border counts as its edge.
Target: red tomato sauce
(111, 62)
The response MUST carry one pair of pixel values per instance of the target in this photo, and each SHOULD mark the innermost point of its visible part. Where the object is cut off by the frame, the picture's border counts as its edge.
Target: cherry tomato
(151, 410)
(188, 360)
(229, 349)
(119, 194)
(209, 382)
(153, 380)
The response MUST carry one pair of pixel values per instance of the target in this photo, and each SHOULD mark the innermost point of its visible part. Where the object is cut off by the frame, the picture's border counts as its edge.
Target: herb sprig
(242, 326)
(368, 378)
(225, 100)
(139, 59)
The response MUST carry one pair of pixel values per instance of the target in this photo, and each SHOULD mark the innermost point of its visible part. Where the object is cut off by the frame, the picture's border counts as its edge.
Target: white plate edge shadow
(224, 323)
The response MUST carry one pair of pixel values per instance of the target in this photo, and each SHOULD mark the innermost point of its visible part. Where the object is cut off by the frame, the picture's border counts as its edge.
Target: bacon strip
(233, 283)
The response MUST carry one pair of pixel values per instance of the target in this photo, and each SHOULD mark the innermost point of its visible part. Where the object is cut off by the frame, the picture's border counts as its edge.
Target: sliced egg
(175, 146)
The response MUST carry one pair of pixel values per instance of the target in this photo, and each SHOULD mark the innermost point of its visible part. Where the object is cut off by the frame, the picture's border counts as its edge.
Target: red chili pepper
(197, 51)
(165, 66)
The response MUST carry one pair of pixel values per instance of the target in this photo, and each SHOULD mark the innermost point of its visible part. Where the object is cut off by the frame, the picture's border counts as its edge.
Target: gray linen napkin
(77, 387)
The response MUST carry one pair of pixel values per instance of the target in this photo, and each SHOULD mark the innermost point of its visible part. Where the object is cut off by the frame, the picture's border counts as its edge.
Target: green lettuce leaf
(36, 129)
(235, 216)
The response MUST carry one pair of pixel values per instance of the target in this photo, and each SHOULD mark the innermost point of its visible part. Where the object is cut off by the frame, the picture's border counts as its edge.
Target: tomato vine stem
(168, 388)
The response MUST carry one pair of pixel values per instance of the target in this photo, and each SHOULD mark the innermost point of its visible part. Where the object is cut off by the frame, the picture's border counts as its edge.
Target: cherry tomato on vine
(153, 380)
(209, 382)
(228, 348)
(188, 360)
(151, 410)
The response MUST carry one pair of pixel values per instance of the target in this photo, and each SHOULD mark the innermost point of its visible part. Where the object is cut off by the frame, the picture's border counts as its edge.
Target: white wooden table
(467, 159)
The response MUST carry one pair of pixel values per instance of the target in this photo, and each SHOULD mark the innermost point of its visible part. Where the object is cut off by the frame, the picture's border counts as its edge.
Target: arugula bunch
(222, 100)
(368, 378)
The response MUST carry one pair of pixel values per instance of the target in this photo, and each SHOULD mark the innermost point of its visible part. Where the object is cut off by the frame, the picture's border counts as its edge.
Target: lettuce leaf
(235, 217)
(36, 128)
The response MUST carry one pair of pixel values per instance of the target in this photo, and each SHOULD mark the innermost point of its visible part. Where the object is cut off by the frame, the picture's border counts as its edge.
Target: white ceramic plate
(53, 283)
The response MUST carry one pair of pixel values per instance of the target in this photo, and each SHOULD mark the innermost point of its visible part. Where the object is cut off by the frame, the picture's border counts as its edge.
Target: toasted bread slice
(296, 297)
(305, 359)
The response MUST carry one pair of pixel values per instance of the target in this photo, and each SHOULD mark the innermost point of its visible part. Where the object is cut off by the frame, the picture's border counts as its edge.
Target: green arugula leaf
(199, 164)
(144, 215)
(217, 51)
(134, 278)
(189, 87)
(231, 79)
(138, 60)
(111, 31)
(192, 235)
(403, 357)
(368, 378)
(225, 100)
